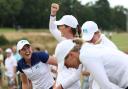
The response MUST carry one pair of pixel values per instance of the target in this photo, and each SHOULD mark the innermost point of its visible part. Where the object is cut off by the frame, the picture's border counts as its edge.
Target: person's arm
(70, 79)
(52, 60)
(107, 42)
(24, 81)
(58, 87)
(98, 72)
(30, 84)
(52, 27)
(14, 70)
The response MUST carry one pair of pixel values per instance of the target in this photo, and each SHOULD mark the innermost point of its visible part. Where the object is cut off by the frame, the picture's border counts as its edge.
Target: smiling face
(26, 52)
(65, 31)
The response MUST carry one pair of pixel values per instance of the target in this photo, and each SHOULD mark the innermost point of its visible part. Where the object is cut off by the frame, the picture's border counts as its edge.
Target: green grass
(3, 30)
(121, 40)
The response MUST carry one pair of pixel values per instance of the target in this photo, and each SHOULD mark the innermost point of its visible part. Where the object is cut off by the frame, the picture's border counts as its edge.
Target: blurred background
(29, 19)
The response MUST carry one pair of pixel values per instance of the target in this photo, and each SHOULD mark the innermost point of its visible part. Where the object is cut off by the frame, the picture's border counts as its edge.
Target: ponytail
(79, 30)
(76, 31)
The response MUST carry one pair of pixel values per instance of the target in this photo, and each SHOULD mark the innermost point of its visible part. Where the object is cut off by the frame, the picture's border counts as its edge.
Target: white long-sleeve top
(54, 30)
(104, 42)
(109, 67)
(65, 73)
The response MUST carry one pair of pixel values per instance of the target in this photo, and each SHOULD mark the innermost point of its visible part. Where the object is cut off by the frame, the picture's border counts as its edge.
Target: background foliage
(35, 13)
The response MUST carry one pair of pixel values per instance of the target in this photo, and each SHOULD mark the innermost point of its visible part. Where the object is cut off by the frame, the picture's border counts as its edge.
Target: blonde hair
(79, 42)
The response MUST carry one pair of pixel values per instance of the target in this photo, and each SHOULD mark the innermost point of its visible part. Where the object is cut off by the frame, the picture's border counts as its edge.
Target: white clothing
(53, 71)
(109, 67)
(104, 42)
(65, 73)
(53, 29)
(40, 69)
(10, 63)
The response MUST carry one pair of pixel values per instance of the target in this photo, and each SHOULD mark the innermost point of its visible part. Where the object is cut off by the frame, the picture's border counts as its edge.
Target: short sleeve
(18, 67)
(43, 56)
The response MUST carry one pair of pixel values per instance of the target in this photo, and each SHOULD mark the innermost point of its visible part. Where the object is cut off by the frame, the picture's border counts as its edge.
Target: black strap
(126, 88)
(51, 87)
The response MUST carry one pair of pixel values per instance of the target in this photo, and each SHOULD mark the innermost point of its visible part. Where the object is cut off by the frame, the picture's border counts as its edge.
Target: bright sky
(113, 3)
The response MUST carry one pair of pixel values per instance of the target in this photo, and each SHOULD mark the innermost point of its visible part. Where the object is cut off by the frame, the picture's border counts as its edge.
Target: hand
(57, 86)
(54, 9)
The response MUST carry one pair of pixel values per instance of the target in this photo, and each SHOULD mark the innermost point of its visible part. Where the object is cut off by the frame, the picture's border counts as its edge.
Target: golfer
(92, 35)
(109, 67)
(66, 28)
(34, 66)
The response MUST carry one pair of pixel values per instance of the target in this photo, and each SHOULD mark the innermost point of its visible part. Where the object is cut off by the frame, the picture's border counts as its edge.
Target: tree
(102, 12)
(118, 18)
(9, 9)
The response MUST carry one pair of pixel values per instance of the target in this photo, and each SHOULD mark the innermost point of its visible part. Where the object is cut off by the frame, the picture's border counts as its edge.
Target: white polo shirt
(109, 67)
(38, 72)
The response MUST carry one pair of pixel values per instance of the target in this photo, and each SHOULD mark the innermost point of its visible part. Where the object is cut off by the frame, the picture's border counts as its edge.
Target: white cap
(61, 51)
(8, 50)
(88, 30)
(68, 20)
(21, 44)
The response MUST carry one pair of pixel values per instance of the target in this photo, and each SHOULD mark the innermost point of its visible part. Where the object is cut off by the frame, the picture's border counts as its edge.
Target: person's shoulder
(20, 62)
(89, 50)
(89, 46)
(103, 37)
(39, 53)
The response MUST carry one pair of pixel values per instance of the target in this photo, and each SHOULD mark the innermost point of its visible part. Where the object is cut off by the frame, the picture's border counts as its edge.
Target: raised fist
(54, 9)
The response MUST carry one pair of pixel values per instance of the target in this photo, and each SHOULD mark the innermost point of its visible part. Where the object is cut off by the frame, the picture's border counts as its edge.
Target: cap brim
(87, 37)
(59, 22)
(23, 46)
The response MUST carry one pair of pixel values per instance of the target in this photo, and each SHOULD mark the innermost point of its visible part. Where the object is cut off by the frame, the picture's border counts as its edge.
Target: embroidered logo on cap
(85, 30)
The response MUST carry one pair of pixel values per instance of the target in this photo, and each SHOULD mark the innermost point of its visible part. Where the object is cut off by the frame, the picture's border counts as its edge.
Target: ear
(72, 54)
(68, 27)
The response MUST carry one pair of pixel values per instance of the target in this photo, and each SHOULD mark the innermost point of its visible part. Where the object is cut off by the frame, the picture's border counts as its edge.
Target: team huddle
(79, 50)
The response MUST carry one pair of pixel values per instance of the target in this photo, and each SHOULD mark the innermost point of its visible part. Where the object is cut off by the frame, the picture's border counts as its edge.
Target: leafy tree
(9, 9)
(118, 18)
(102, 13)
(35, 13)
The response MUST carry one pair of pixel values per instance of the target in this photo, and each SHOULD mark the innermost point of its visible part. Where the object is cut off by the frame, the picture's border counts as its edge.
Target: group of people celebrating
(78, 50)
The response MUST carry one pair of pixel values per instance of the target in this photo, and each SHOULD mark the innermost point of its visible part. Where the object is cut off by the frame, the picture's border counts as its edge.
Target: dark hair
(79, 30)
(76, 31)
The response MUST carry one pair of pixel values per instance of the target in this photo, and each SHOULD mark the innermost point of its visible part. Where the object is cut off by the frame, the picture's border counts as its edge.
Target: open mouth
(27, 54)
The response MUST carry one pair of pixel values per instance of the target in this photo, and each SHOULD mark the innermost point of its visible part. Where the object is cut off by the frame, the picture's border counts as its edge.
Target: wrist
(52, 15)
